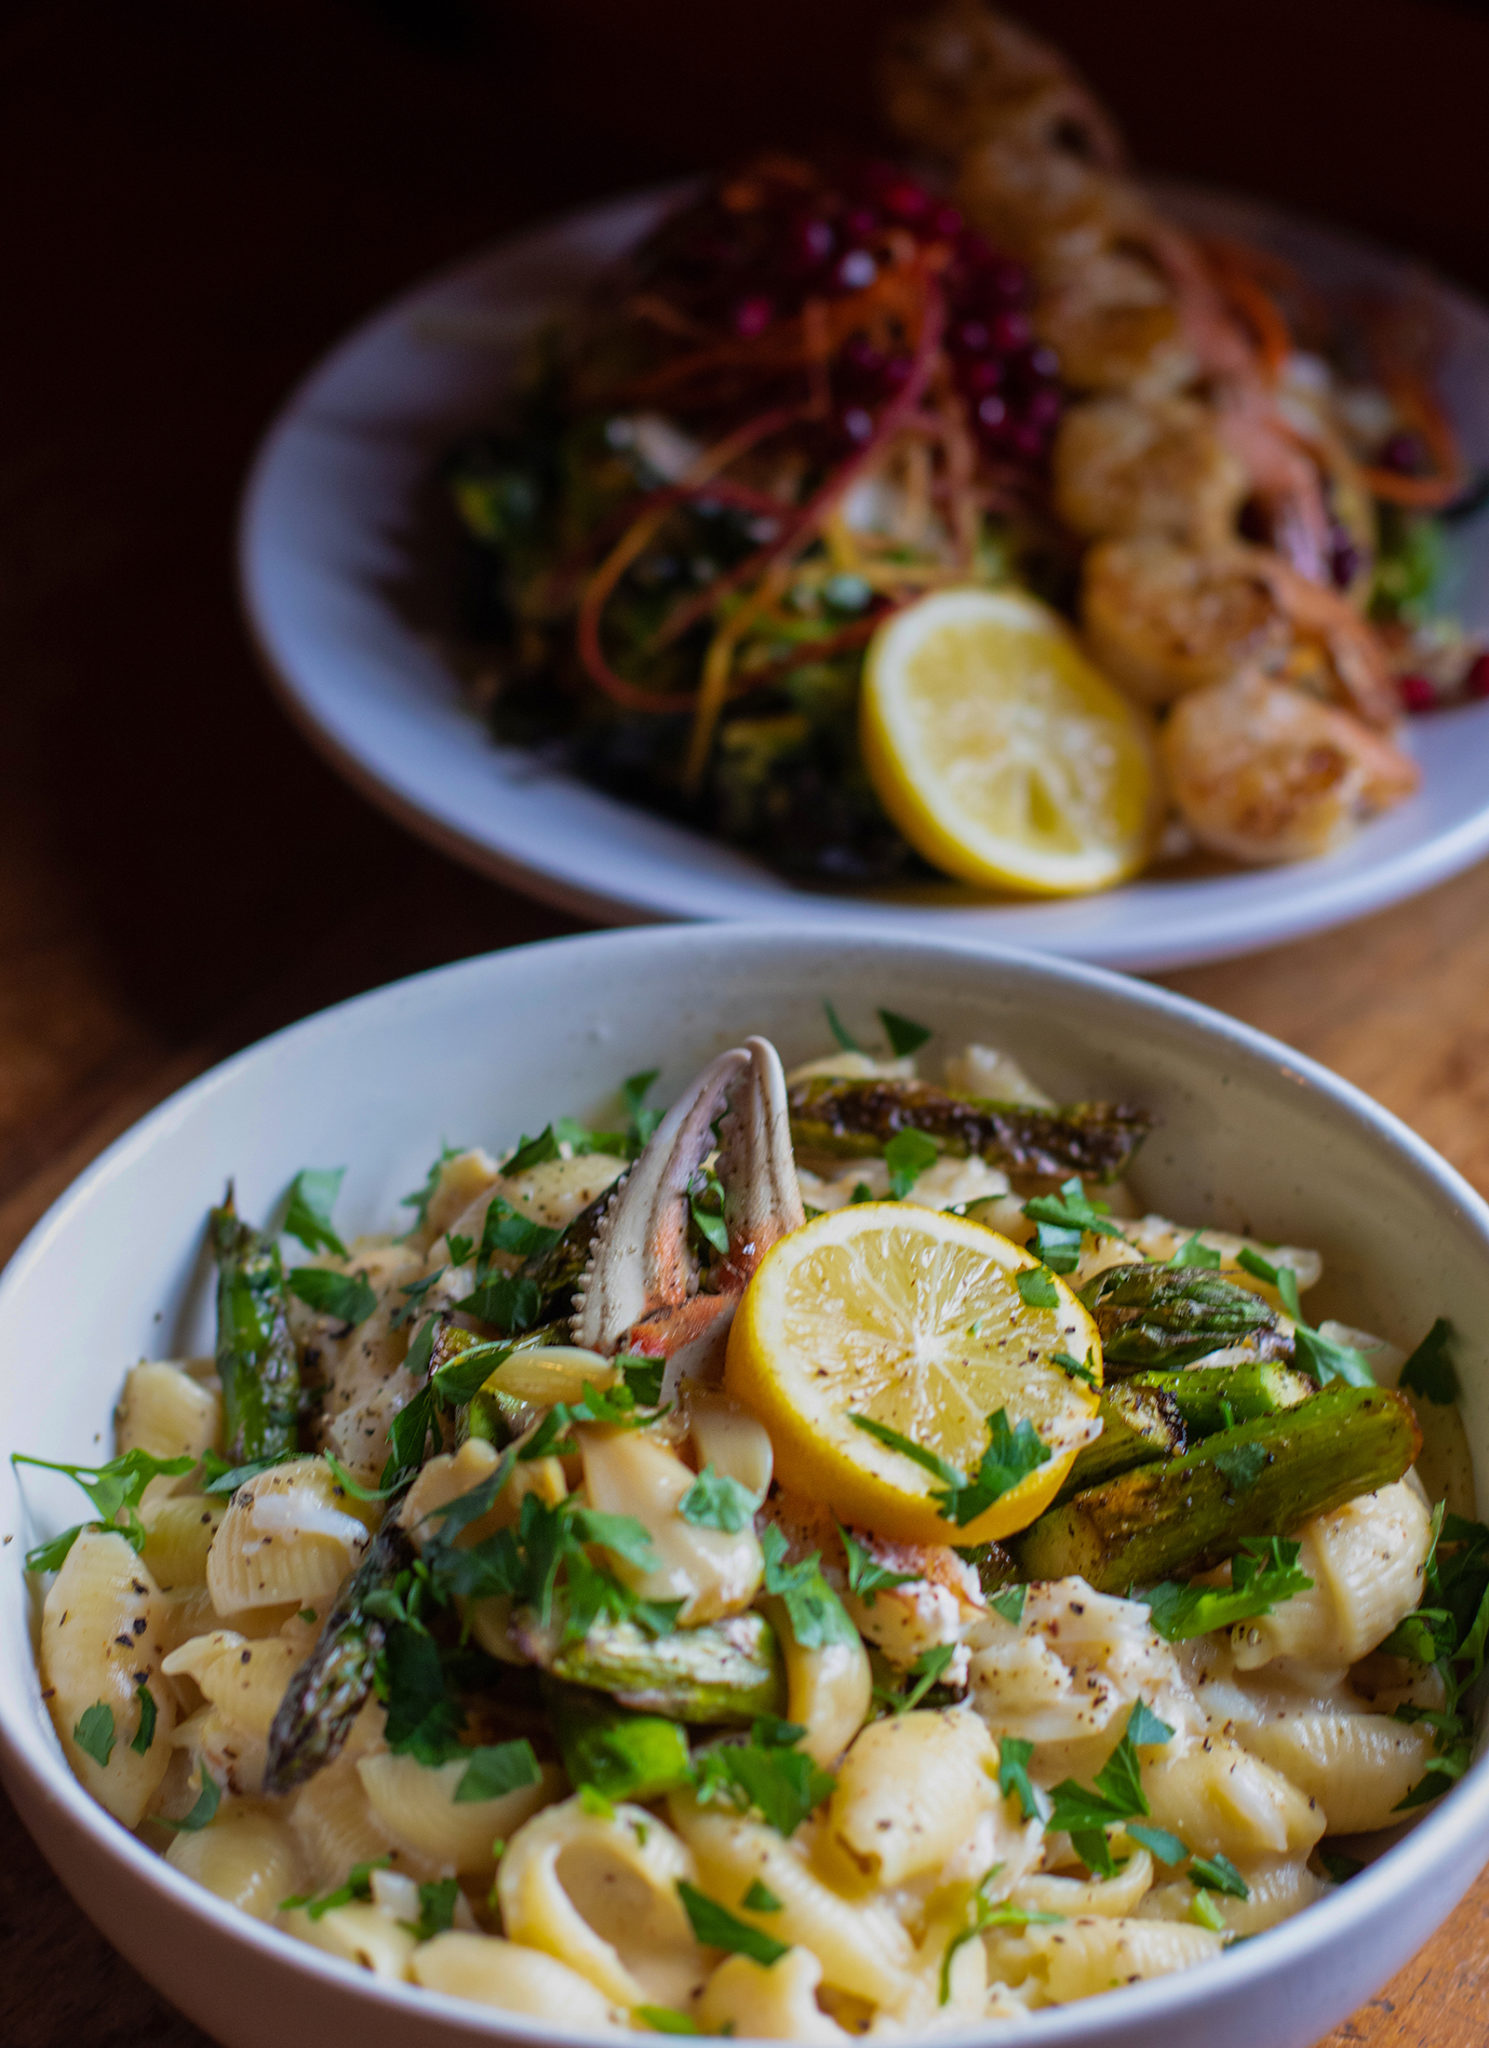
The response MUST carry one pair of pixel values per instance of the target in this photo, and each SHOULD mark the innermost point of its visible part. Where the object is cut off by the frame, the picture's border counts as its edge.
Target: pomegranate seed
(854, 271)
(1476, 681)
(982, 376)
(1010, 330)
(752, 316)
(1418, 693)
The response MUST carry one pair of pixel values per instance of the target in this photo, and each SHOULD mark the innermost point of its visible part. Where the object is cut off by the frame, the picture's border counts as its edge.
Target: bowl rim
(1448, 1834)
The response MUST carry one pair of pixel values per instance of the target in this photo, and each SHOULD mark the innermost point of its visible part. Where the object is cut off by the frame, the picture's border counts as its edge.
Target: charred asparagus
(1153, 1315)
(257, 1361)
(855, 1119)
(724, 1671)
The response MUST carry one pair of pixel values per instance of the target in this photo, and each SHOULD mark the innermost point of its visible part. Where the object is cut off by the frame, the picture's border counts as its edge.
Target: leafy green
(1430, 1371)
(202, 1814)
(1450, 1630)
(908, 1155)
(839, 1030)
(221, 1477)
(865, 1577)
(437, 1900)
(1325, 1357)
(1061, 1220)
(761, 1899)
(1013, 1777)
(927, 1670)
(1074, 1367)
(642, 1375)
(1205, 1911)
(1264, 1571)
(641, 1121)
(1339, 1867)
(497, 1769)
(358, 1885)
(706, 1208)
(144, 1735)
(409, 1433)
(982, 1915)
(115, 1489)
(94, 1732)
(907, 1447)
(1009, 1601)
(460, 1377)
(1195, 1252)
(1086, 1812)
(348, 1297)
(665, 2019)
(816, 1614)
(1166, 1847)
(595, 1803)
(1036, 1288)
(423, 1719)
(716, 1927)
(904, 1034)
(414, 1291)
(1218, 1874)
(507, 1230)
(511, 1302)
(715, 1501)
(313, 1194)
(1241, 1464)
(460, 1248)
(1013, 1452)
(765, 1776)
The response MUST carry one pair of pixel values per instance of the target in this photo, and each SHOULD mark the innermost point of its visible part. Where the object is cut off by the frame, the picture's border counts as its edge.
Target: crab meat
(641, 1289)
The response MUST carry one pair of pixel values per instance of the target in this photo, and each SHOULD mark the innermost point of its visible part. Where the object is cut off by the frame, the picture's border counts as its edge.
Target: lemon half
(912, 1318)
(1003, 756)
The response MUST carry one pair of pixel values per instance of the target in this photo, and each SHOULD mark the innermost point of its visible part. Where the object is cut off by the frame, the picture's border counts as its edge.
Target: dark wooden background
(194, 202)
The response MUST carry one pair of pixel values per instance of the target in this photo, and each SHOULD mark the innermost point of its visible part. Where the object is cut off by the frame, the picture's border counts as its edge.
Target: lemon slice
(911, 1320)
(999, 751)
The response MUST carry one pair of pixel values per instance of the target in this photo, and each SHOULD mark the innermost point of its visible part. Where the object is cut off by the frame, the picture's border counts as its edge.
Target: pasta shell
(248, 1859)
(166, 1412)
(417, 1804)
(288, 1536)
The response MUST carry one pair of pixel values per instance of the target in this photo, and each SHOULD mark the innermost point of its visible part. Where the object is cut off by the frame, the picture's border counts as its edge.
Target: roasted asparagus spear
(623, 1754)
(333, 1685)
(724, 1671)
(1138, 1424)
(1211, 1397)
(1152, 1315)
(1260, 1479)
(855, 1119)
(257, 1361)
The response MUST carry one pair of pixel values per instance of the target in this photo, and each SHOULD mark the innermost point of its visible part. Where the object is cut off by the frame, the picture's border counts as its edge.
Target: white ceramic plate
(1248, 1134)
(348, 604)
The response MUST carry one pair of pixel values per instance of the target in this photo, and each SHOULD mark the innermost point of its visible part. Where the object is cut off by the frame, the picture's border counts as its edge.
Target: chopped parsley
(1087, 1812)
(495, 1770)
(1241, 1465)
(507, 1230)
(865, 1577)
(641, 1122)
(358, 1885)
(767, 1775)
(706, 1209)
(666, 2019)
(202, 1814)
(1324, 1357)
(846, 1041)
(904, 1034)
(94, 1732)
(312, 1197)
(415, 1290)
(716, 1927)
(144, 1735)
(1264, 1571)
(1073, 1366)
(437, 1901)
(1010, 1602)
(908, 1155)
(510, 1302)
(982, 1915)
(814, 1611)
(761, 1899)
(1036, 1288)
(1218, 1874)
(642, 1375)
(348, 1297)
(715, 1501)
(593, 1802)
(1195, 1252)
(1014, 1780)
(115, 1489)
(1061, 1220)
(1013, 1452)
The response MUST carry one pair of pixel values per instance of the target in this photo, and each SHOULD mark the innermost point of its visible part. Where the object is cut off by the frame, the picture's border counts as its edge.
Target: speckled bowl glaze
(1249, 1135)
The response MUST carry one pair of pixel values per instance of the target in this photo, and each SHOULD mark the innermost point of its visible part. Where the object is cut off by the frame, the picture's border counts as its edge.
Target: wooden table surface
(197, 200)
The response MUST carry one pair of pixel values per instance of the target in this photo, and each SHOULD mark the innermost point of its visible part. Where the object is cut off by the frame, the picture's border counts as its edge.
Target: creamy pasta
(618, 1597)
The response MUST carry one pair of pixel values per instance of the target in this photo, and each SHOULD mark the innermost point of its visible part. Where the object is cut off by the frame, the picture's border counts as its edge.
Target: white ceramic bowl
(1249, 1135)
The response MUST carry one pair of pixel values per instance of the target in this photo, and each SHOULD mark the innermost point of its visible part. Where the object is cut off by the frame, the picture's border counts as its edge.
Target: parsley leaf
(904, 1034)
(1327, 1359)
(815, 1613)
(94, 1732)
(347, 1296)
(1166, 1847)
(115, 1489)
(144, 1735)
(983, 1915)
(496, 1770)
(780, 1783)
(1218, 1874)
(642, 1375)
(460, 1248)
(1013, 1452)
(415, 1291)
(706, 1208)
(1195, 1252)
(1241, 1464)
(423, 1719)
(507, 1230)
(509, 1301)
(761, 1899)
(436, 1907)
(926, 1670)
(219, 1477)
(313, 1194)
(1061, 1219)
(865, 1577)
(1073, 1366)
(908, 1448)
(908, 1155)
(533, 1152)
(1283, 1278)
(715, 1501)
(641, 1122)
(1086, 1812)
(202, 1813)
(408, 1434)
(1339, 1867)
(665, 2019)
(1010, 1601)
(1013, 1777)
(460, 1376)
(358, 1885)
(839, 1030)
(1430, 1371)
(1036, 1288)
(1263, 1572)
(716, 1927)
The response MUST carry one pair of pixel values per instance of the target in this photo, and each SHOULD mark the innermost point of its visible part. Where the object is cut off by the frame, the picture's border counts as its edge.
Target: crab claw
(642, 1290)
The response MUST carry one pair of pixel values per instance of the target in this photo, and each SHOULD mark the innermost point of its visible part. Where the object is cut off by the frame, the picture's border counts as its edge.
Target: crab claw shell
(640, 1288)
